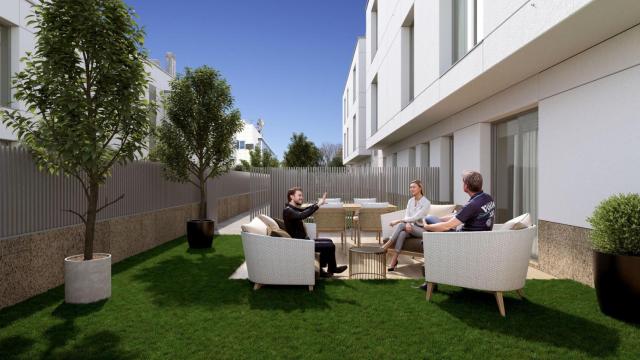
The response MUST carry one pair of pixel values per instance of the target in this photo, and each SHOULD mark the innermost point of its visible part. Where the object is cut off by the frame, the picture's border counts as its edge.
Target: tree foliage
(336, 161)
(328, 151)
(262, 159)
(197, 140)
(302, 152)
(258, 159)
(83, 87)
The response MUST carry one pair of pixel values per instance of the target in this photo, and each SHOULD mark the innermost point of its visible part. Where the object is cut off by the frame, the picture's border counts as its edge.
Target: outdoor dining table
(352, 210)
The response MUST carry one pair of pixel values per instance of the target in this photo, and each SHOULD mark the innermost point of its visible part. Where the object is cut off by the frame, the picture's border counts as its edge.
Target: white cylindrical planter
(87, 281)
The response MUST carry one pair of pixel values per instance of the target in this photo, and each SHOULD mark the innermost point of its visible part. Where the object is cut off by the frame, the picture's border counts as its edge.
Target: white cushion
(269, 221)
(364, 200)
(375, 205)
(332, 205)
(256, 226)
(441, 210)
(518, 223)
(331, 200)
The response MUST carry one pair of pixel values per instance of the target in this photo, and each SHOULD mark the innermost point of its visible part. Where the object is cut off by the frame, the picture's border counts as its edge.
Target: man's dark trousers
(327, 251)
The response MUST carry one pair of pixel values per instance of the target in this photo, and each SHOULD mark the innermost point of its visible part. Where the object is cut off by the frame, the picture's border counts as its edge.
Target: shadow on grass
(195, 277)
(101, 345)
(290, 298)
(529, 321)
(137, 259)
(60, 334)
(14, 346)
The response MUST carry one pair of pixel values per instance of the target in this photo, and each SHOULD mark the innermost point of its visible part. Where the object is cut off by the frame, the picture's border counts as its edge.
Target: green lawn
(174, 303)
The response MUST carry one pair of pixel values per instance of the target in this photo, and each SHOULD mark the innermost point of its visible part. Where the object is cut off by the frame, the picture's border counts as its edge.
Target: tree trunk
(203, 199)
(90, 226)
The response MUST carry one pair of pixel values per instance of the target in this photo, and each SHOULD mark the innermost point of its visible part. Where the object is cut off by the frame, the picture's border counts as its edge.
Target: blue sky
(286, 60)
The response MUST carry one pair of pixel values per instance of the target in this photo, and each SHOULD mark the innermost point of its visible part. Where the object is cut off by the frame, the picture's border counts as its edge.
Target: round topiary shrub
(616, 225)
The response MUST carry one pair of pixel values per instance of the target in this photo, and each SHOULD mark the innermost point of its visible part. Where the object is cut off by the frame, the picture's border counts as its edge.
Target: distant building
(248, 139)
(16, 39)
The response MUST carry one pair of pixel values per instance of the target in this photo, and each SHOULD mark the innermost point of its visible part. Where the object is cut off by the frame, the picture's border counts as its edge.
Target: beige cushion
(269, 221)
(278, 233)
(518, 223)
(256, 226)
(441, 210)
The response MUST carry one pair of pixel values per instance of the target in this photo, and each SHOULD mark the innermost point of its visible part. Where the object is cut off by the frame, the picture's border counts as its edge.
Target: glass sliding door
(515, 167)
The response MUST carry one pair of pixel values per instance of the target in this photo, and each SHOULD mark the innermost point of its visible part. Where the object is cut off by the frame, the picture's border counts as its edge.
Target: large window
(346, 147)
(353, 84)
(374, 105)
(515, 167)
(347, 102)
(344, 110)
(407, 58)
(353, 146)
(5, 64)
(374, 30)
(464, 27)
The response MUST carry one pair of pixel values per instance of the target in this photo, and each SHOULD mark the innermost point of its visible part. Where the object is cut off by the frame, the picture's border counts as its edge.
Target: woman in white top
(411, 225)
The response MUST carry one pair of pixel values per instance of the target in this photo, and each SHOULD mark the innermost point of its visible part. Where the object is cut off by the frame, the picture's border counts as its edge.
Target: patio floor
(408, 268)
(176, 303)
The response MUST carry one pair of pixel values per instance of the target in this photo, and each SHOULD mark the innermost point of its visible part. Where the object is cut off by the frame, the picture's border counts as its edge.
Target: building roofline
(355, 52)
(148, 61)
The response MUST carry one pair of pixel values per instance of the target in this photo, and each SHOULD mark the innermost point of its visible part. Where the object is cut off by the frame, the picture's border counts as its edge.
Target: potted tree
(197, 140)
(83, 87)
(616, 256)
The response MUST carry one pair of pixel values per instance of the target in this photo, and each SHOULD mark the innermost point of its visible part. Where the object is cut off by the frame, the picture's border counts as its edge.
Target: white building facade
(539, 96)
(248, 139)
(17, 38)
(354, 150)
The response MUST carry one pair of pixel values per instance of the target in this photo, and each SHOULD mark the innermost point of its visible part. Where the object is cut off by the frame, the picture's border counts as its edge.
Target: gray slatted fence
(31, 200)
(268, 186)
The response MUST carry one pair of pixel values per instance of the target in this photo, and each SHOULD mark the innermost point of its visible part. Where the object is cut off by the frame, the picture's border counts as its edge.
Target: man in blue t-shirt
(478, 214)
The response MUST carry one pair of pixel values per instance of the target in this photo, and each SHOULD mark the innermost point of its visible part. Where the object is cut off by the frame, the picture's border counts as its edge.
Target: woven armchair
(280, 261)
(494, 261)
(368, 219)
(330, 219)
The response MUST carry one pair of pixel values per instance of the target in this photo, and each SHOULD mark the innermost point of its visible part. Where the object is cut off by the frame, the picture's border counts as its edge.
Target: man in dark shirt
(478, 214)
(293, 215)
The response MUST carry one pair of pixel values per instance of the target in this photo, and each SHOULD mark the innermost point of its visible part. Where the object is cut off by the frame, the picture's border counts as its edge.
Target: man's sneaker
(324, 274)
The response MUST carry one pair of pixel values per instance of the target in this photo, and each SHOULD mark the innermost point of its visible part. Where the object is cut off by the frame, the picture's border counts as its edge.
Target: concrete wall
(471, 151)
(587, 144)
(33, 263)
(440, 157)
(226, 195)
